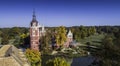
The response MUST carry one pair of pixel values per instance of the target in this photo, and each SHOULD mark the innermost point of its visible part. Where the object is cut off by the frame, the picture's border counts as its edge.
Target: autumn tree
(34, 57)
(60, 35)
(57, 62)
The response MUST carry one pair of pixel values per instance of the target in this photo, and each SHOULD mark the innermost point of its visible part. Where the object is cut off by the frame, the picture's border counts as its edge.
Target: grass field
(94, 40)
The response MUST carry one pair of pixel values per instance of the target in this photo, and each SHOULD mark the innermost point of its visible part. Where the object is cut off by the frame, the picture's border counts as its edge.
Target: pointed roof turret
(34, 17)
(69, 35)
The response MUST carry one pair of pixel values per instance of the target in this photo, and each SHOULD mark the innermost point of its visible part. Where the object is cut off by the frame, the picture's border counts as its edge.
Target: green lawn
(94, 40)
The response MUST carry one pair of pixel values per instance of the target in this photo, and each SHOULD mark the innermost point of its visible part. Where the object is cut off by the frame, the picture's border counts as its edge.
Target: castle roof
(69, 33)
(34, 19)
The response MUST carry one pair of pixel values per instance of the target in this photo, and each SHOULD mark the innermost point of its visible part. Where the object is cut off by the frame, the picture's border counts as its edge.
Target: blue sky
(60, 12)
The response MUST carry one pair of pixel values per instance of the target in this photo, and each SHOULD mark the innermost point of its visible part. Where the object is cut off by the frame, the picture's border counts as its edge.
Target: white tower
(70, 36)
(69, 39)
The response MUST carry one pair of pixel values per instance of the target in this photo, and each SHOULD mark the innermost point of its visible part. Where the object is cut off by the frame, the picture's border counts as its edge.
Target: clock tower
(34, 33)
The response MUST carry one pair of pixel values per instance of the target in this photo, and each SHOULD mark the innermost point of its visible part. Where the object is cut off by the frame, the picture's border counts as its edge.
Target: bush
(57, 62)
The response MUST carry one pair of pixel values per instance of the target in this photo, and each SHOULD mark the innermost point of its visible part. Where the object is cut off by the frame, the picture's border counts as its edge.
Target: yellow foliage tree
(61, 36)
(57, 62)
(34, 57)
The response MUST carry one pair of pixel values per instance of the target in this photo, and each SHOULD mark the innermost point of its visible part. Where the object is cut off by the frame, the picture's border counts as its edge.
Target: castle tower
(43, 30)
(69, 38)
(34, 33)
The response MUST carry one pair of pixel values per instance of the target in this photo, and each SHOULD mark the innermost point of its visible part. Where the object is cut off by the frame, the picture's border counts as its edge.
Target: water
(79, 61)
(82, 61)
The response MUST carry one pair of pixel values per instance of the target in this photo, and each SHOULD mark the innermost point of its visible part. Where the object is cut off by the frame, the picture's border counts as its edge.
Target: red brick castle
(36, 31)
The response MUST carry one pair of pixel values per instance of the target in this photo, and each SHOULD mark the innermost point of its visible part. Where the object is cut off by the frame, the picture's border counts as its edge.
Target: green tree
(14, 32)
(109, 55)
(92, 30)
(57, 62)
(76, 34)
(45, 41)
(83, 34)
(5, 39)
(34, 57)
(83, 31)
(17, 41)
(0, 33)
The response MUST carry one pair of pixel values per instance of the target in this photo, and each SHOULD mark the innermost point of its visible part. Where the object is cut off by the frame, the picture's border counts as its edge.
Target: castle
(36, 31)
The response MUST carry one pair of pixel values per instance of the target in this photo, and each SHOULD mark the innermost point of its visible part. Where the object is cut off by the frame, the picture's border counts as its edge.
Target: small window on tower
(70, 36)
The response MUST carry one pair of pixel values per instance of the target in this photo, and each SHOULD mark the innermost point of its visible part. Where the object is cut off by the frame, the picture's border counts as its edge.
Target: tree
(76, 34)
(0, 33)
(45, 41)
(83, 31)
(14, 32)
(57, 62)
(24, 38)
(109, 55)
(93, 30)
(5, 39)
(60, 36)
(83, 34)
(34, 57)
(17, 41)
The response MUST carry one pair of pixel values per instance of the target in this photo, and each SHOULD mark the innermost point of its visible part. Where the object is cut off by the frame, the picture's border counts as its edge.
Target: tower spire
(34, 33)
(34, 16)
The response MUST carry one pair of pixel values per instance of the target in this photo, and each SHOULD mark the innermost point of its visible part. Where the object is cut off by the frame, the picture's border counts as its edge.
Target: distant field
(94, 40)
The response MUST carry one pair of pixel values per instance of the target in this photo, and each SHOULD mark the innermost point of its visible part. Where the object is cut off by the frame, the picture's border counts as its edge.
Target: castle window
(36, 32)
(70, 36)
